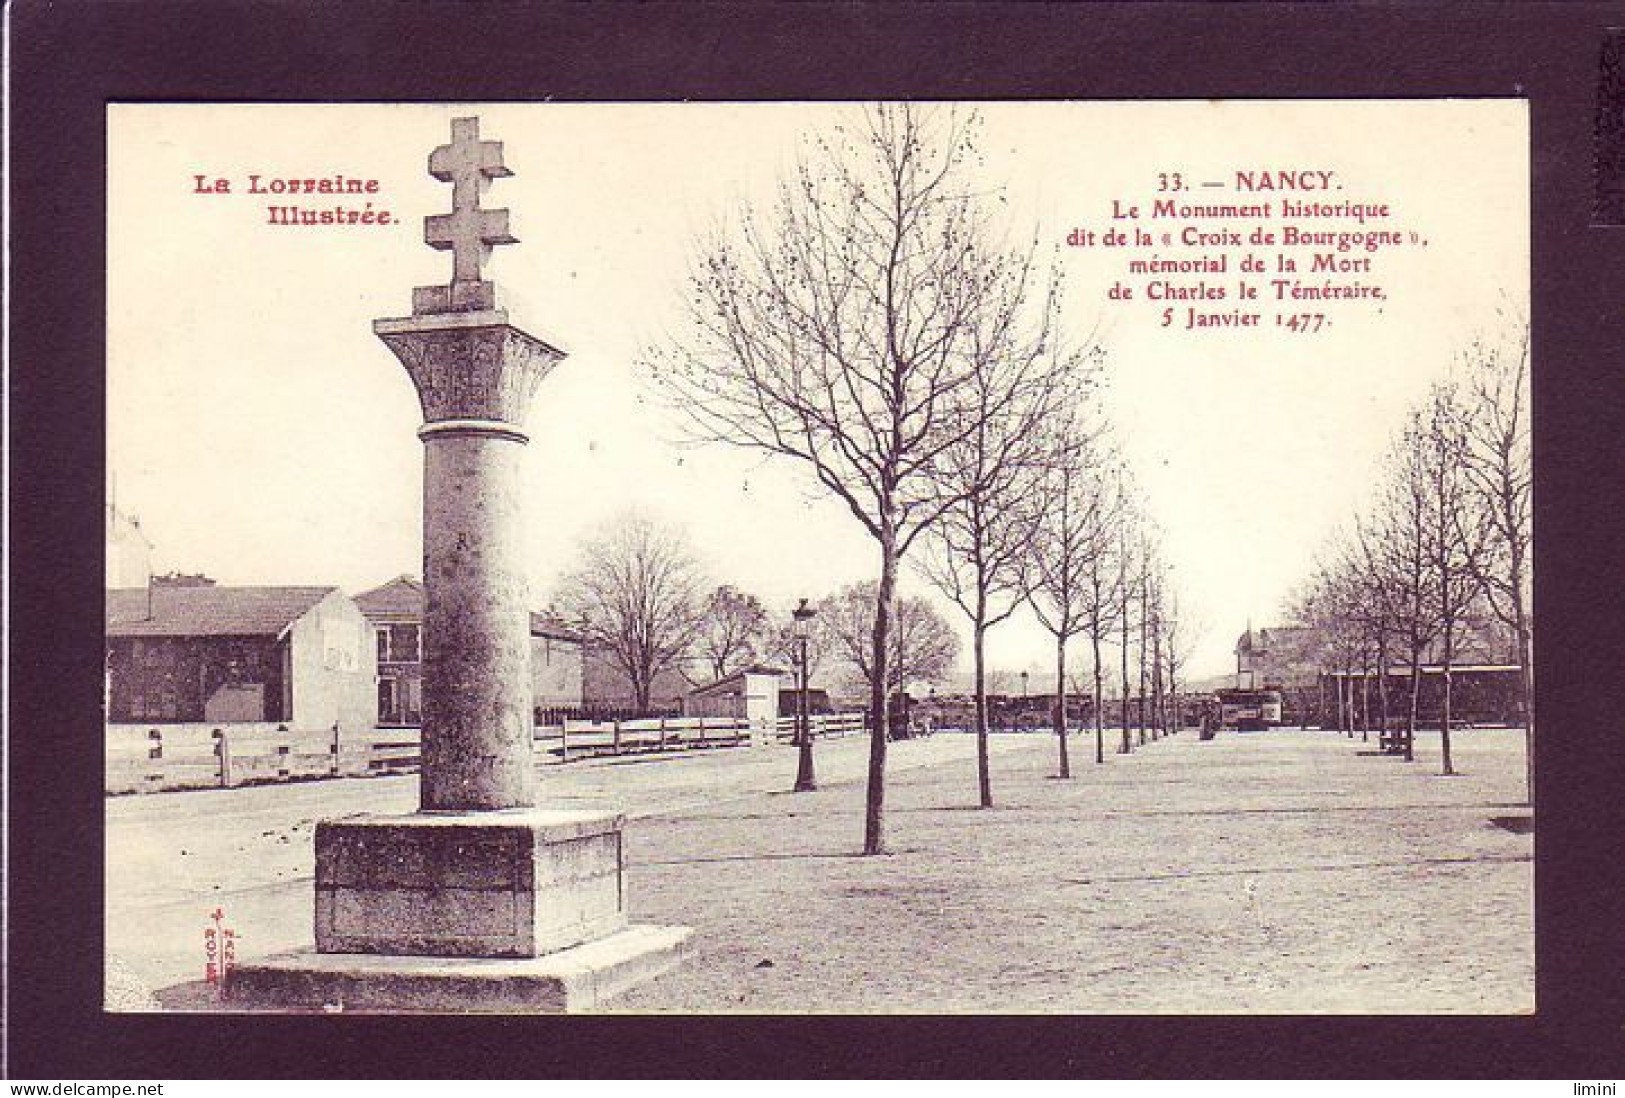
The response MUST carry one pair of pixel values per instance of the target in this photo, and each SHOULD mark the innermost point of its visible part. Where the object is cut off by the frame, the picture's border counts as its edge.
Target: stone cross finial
(468, 232)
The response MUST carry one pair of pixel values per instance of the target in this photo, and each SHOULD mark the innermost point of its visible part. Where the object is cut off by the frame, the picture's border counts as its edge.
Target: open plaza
(429, 798)
(1286, 871)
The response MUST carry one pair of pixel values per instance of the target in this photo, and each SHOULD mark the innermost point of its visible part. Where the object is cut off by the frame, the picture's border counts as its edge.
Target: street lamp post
(805, 783)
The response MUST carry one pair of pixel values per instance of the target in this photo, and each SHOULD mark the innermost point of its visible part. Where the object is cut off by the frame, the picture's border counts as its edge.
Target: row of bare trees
(1096, 573)
(877, 326)
(1443, 548)
(642, 599)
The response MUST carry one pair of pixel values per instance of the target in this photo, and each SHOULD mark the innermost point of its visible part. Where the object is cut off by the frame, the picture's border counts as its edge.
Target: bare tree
(1401, 537)
(928, 644)
(1431, 536)
(1403, 546)
(635, 593)
(733, 631)
(1330, 607)
(1148, 583)
(1374, 609)
(840, 330)
(1498, 463)
(1180, 633)
(1157, 618)
(977, 553)
(1457, 535)
(1132, 554)
(1068, 521)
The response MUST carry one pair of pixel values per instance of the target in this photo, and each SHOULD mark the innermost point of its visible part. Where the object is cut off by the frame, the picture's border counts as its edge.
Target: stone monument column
(479, 871)
(475, 375)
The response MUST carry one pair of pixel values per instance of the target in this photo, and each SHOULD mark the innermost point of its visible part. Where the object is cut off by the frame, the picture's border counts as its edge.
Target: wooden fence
(825, 726)
(149, 758)
(142, 758)
(580, 739)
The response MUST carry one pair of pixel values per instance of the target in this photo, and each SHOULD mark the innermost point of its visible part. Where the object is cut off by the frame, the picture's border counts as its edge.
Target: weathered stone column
(475, 375)
(479, 871)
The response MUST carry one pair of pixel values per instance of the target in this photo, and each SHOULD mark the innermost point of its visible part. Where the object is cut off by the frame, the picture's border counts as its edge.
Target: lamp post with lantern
(800, 628)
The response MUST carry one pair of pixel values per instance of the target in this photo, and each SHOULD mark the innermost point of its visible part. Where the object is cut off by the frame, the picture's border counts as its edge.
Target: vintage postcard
(870, 557)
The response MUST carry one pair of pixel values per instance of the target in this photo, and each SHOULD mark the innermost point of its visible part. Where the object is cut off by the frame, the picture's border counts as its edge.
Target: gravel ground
(172, 858)
(1279, 873)
(1271, 872)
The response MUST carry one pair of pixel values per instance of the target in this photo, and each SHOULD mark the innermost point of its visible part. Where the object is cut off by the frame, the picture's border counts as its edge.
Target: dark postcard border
(70, 59)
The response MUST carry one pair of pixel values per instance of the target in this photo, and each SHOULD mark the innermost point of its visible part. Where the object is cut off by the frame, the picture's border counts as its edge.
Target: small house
(186, 650)
(751, 692)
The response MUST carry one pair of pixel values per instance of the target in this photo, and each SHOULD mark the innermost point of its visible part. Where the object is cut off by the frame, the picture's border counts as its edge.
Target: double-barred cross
(469, 165)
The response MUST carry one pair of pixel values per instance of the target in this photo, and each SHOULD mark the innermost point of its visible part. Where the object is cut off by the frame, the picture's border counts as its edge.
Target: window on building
(398, 644)
(403, 642)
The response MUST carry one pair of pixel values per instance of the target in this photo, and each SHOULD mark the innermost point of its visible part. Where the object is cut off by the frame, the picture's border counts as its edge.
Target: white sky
(263, 434)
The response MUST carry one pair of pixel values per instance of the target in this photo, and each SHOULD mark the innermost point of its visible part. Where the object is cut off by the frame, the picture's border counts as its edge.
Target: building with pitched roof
(1296, 660)
(182, 649)
(1285, 656)
(751, 692)
(394, 611)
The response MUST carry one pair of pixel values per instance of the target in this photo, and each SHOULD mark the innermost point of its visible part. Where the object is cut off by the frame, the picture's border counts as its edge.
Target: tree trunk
(1175, 716)
(1100, 692)
(874, 811)
(1060, 706)
(1444, 720)
(1159, 716)
(1526, 687)
(1100, 752)
(1382, 698)
(983, 781)
(1145, 606)
(642, 687)
(1365, 704)
(1123, 700)
(1416, 692)
(1382, 683)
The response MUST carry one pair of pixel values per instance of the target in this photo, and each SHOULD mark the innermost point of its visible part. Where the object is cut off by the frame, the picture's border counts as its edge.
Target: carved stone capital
(470, 366)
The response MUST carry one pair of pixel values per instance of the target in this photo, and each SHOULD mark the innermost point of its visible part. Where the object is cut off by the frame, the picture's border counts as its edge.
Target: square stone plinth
(515, 883)
(574, 979)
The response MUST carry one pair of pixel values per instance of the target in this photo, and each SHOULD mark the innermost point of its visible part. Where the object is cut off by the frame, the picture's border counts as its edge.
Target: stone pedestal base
(573, 979)
(519, 910)
(515, 883)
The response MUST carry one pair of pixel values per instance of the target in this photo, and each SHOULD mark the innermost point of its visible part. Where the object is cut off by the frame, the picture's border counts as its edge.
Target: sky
(264, 435)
